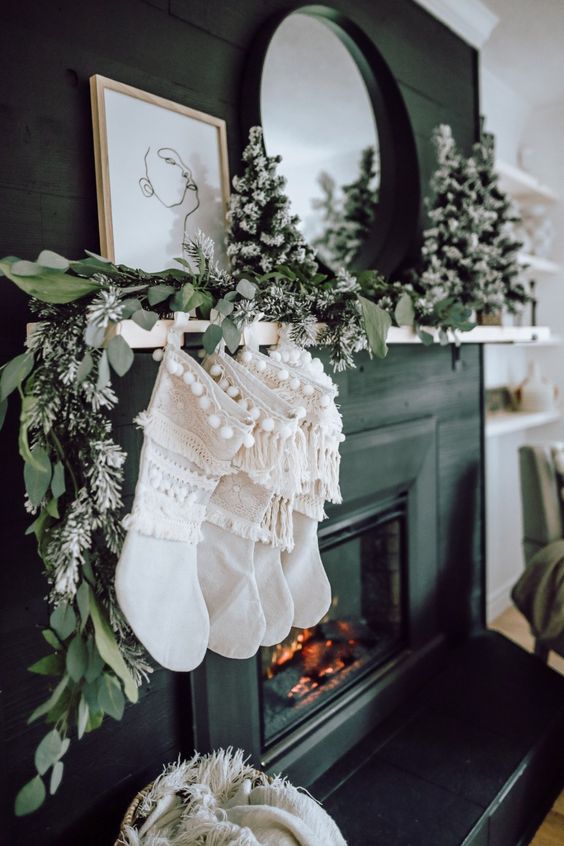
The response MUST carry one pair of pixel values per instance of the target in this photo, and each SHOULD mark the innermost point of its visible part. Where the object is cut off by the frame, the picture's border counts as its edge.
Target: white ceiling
(526, 48)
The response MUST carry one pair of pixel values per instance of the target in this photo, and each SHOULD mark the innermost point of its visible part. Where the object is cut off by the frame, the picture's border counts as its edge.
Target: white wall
(516, 124)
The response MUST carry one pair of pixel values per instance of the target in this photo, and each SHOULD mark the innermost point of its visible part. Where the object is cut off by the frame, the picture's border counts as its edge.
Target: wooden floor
(514, 626)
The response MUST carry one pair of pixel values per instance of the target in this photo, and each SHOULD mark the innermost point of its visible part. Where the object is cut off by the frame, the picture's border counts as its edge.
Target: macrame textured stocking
(192, 430)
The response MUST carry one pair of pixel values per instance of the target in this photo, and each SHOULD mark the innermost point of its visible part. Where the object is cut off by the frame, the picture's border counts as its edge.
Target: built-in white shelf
(538, 264)
(503, 423)
(523, 185)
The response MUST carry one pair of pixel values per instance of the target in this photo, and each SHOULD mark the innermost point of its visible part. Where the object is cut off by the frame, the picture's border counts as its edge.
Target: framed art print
(161, 175)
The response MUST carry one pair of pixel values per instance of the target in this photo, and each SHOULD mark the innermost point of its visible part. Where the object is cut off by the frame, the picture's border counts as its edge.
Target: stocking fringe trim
(278, 522)
(278, 463)
(156, 526)
(311, 506)
(324, 461)
(237, 526)
(169, 435)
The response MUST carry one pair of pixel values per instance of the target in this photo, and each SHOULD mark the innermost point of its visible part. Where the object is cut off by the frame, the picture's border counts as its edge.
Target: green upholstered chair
(541, 503)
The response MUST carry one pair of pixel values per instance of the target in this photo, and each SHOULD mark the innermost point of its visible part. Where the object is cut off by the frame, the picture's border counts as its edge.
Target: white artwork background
(146, 233)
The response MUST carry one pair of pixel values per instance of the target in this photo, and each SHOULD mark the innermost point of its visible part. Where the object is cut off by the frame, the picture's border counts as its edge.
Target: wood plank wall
(191, 51)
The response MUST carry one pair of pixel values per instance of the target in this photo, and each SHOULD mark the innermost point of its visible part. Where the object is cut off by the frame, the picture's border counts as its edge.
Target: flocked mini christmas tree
(500, 219)
(262, 232)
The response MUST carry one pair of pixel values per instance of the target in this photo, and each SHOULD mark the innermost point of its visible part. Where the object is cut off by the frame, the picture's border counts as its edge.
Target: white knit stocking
(191, 432)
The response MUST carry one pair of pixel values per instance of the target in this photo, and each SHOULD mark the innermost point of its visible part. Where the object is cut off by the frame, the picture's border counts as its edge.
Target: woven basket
(130, 816)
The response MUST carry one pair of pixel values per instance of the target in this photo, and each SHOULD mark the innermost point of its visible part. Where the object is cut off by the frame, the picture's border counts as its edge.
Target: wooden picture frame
(162, 175)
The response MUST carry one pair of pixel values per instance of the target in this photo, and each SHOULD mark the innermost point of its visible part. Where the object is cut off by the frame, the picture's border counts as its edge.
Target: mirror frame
(394, 232)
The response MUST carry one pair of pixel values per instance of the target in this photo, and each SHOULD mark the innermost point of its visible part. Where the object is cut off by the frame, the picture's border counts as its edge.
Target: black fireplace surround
(388, 478)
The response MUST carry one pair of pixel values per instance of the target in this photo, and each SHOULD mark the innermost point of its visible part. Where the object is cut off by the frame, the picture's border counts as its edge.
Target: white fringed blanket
(218, 800)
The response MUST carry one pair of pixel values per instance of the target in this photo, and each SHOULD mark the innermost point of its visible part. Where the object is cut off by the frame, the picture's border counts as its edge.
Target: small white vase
(536, 392)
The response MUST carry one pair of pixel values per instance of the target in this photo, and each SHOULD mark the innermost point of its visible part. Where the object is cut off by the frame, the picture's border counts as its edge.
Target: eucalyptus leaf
(230, 296)
(14, 373)
(120, 355)
(98, 258)
(94, 335)
(145, 319)
(377, 323)
(95, 662)
(30, 797)
(90, 694)
(425, 337)
(179, 301)
(52, 508)
(37, 475)
(224, 307)
(3, 410)
(58, 485)
(83, 715)
(129, 307)
(50, 286)
(51, 665)
(85, 367)
(63, 620)
(104, 377)
(246, 289)
(404, 312)
(51, 638)
(231, 334)
(26, 268)
(211, 338)
(95, 720)
(109, 650)
(56, 777)
(83, 602)
(159, 293)
(47, 258)
(77, 658)
(110, 697)
(43, 709)
(48, 752)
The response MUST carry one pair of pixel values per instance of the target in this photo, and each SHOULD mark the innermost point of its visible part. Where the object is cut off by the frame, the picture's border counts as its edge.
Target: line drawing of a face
(168, 179)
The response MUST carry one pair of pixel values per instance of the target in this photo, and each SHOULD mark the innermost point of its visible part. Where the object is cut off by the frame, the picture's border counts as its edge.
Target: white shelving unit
(539, 264)
(503, 423)
(523, 185)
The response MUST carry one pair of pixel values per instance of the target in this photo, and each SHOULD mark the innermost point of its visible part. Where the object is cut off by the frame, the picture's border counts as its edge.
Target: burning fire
(318, 656)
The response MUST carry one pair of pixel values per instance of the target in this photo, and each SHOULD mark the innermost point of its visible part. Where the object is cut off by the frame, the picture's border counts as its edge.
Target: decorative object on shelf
(536, 393)
(161, 172)
(221, 798)
(262, 232)
(539, 229)
(468, 252)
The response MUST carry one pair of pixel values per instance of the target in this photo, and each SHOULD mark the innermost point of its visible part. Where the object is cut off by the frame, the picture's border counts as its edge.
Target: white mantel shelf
(266, 334)
(523, 185)
(503, 423)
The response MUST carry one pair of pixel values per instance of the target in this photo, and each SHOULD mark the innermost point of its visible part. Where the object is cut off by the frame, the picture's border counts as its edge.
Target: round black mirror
(329, 105)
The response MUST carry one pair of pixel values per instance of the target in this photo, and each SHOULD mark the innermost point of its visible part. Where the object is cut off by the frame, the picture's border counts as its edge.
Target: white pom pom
(342, 438)
(325, 401)
(244, 403)
(283, 375)
(295, 384)
(308, 390)
(317, 364)
(223, 384)
(214, 420)
(179, 371)
(171, 366)
(158, 355)
(197, 389)
(226, 432)
(285, 356)
(275, 356)
(188, 377)
(233, 391)
(306, 356)
(215, 370)
(267, 425)
(201, 353)
(294, 358)
(248, 441)
(246, 357)
(285, 431)
(204, 402)
(300, 412)
(254, 413)
(261, 365)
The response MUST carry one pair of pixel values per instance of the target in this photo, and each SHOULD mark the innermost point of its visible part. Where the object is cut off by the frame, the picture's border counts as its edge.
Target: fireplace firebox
(299, 706)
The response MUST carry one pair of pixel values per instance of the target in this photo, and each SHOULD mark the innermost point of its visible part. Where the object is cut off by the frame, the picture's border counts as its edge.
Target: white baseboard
(499, 600)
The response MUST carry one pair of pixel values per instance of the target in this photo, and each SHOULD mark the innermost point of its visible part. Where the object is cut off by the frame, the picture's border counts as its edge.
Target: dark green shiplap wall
(191, 51)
